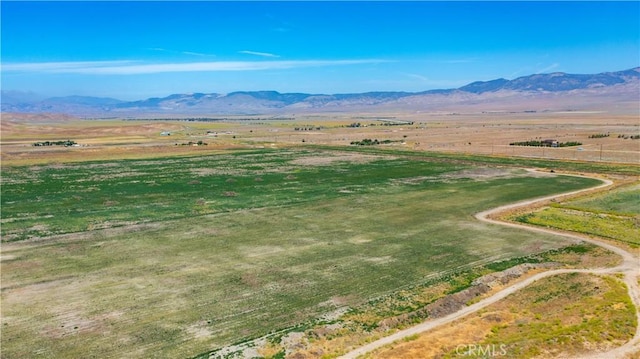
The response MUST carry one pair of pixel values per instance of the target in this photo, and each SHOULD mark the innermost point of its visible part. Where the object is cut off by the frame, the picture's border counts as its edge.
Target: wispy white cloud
(263, 54)
(138, 68)
(518, 72)
(197, 54)
(189, 53)
(417, 76)
(538, 68)
(548, 68)
(62, 67)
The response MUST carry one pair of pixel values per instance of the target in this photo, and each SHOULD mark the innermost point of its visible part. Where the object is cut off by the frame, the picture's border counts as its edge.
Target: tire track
(630, 268)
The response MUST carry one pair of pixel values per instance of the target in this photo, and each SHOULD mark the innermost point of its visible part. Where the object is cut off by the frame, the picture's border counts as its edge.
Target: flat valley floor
(174, 238)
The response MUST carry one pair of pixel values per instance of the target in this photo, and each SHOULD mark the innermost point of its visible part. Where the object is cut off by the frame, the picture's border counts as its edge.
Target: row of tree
(370, 142)
(546, 144)
(66, 143)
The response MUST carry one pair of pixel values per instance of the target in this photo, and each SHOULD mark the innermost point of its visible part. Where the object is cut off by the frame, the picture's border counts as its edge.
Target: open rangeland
(180, 256)
(604, 136)
(269, 237)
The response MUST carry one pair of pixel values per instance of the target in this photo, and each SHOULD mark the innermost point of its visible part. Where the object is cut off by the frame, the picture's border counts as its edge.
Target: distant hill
(17, 97)
(83, 100)
(534, 92)
(485, 86)
(559, 81)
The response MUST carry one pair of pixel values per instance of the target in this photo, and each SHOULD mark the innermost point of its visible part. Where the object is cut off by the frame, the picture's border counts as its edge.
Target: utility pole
(601, 152)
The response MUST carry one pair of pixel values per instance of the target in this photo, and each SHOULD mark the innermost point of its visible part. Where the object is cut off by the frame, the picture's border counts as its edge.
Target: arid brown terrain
(604, 136)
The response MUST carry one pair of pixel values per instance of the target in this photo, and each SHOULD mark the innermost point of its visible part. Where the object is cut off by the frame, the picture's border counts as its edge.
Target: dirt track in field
(630, 268)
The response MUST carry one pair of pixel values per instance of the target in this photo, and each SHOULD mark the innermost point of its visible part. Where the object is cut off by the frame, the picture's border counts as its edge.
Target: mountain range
(538, 92)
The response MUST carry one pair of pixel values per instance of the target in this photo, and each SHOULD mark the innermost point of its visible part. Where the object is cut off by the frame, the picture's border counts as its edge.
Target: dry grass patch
(327, 159)
(570, 314)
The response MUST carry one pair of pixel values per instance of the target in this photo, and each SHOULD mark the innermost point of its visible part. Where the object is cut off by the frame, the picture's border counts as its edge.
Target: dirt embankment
(456, 301)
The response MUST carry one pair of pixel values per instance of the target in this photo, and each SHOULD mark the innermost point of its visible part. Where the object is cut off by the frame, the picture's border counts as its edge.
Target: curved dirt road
(630, 267)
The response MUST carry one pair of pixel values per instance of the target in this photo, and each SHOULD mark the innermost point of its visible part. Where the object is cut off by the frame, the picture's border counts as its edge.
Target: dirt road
(630, 268)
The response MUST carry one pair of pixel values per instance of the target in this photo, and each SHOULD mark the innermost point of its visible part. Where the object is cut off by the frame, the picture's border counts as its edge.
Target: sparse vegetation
(414, 304)
(192, 269)
(572, 314)
(633, 137)
(571, 166)
(308, 128)
(569, 313)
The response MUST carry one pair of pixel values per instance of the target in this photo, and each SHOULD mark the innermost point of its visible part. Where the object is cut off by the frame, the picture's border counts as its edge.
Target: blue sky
(135, 50)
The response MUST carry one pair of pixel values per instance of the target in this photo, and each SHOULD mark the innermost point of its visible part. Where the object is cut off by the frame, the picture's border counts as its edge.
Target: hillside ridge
(544, 86)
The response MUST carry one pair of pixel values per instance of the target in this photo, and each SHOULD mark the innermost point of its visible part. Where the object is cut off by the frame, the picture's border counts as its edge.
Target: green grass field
(614, 215)
(623, 201)
(177, 257)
